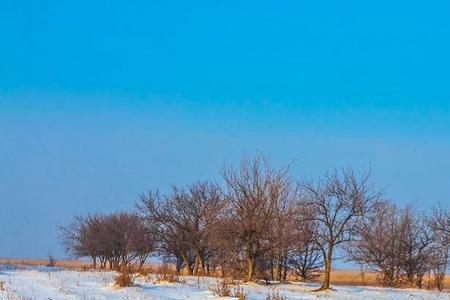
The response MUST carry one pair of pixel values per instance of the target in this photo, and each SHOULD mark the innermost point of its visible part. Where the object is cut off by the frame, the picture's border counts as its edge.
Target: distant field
(69, 264)
(338, 277)
(353, 277)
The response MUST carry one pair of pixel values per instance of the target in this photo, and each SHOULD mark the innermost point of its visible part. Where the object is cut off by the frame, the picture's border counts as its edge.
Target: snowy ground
(47, 283)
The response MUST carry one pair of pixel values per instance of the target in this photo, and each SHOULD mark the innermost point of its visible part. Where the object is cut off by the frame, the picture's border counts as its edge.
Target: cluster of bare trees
(183, 223)
(402, 244)
(260, 224)
(116, 239)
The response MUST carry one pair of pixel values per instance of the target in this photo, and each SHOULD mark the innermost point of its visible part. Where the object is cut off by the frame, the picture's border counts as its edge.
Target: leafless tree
(338, 200)
(377, 244)
(397, 243)
(183, 221)
(71, 238)
(253, 193)
(439, 223)
(204, 204)
(80, 237)
(117, 238)
(284, 230)
(417, 245)
(159, 211)
(305, 257)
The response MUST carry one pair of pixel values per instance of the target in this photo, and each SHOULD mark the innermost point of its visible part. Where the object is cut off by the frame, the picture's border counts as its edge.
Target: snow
(52, 283)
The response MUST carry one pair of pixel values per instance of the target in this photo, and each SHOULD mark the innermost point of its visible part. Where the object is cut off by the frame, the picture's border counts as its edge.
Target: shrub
(275, 296)
(228, 288)
(170, 278)
(85, 268)
(124, 279)
(221, 288)
(166, 274)
(144, 272)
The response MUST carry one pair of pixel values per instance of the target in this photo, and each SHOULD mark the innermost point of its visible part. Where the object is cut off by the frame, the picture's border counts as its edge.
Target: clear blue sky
(102, 100)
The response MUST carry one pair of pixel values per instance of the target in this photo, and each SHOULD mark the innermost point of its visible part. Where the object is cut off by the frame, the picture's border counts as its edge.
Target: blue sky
(102, 100)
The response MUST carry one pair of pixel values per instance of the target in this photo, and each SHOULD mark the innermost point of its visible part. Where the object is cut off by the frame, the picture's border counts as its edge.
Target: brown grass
(124, 279)
(353, 277)
(227, 287)
(67, 264)
(165, 273)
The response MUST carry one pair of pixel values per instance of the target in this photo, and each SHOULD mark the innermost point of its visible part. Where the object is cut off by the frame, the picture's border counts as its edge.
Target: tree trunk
(419, 280)
(272, 268)
(278, 267)
(196, 263)
(207, 267)
(187, 262)
(94, 262)
(327, 274)
(103, 262)
(285, 267)
(201, 260)
(179, 264)
(250, 267)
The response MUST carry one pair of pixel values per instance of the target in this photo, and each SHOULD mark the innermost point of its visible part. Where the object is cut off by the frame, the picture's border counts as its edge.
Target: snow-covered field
(47, 283)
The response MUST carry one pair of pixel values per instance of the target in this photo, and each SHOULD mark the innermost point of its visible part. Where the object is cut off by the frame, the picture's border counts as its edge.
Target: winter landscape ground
(32, 282)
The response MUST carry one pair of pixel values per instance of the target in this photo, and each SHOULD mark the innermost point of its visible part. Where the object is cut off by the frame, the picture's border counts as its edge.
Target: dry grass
(221, 288)
(165, 273)
(145, 272)
(124, 279)
(67, 264)
(353, 277)
(227, 287)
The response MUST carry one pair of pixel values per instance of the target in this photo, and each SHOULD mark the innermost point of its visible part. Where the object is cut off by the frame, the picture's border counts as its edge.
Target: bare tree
(284, 232)
(169, 226)
(439, 223)
(70, 236)
(80, 238)
(305, 257)
(397, 243)
(378, 244)
(117, 238)
(337, 200)
(253, 192)
(183, 220)
(417, 242)
(204, 203)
